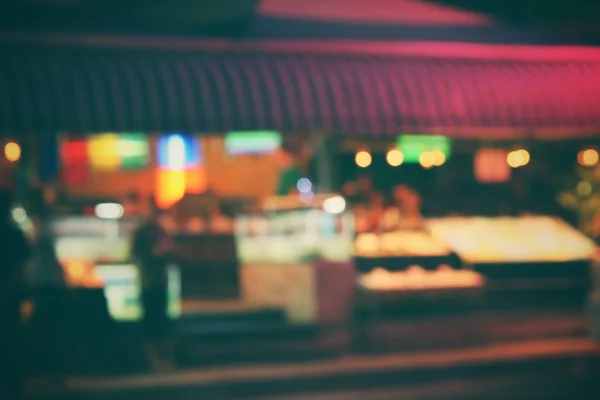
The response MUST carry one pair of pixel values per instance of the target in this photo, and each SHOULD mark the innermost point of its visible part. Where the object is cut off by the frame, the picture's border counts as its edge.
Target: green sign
(252, 142)
(134, 151)
(412, 146)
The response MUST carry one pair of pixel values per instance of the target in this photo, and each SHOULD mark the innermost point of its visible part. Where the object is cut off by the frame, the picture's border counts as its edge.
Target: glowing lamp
(363, 159)
(12, 151)
(394, 157)
(178, 152)
(588, 157)
(103, 152)
(170, 187)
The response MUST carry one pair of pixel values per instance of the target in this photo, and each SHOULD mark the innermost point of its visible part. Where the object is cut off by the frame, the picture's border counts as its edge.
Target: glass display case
(512, 240)
(285, 232)
(292, 251)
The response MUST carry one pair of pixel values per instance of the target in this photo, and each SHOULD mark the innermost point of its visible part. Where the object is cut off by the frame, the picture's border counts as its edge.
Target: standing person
(15, 253)
(151, 249)
(48, 286)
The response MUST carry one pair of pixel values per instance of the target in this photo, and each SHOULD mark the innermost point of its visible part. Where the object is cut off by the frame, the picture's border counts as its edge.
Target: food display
(416, 278)
(524, 239)
(398, 244)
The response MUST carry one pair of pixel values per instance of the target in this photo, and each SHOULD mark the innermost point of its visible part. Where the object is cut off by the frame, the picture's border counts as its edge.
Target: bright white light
(304, 185)
(109, 211)
(176, 152)
(334, 205)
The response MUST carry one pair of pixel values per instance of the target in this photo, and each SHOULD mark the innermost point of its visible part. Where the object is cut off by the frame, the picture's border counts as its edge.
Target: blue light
(177, 152)
(304, 185)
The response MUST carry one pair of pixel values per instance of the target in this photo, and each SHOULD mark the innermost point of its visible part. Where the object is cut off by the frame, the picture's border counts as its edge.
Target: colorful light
(518, 158)
(413, 146)
(134, 151)
(170, 187)
(176, 152)
(74, 156)
(439, 158)
(394, 157)
(426, 159)
(103, 152)
(363, 159)
(588, 157)
(252, 142)
(12, 151)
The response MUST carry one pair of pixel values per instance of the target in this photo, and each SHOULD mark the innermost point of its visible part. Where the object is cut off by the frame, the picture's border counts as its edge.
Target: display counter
(525, 260)
(401, 249)
(297, 256)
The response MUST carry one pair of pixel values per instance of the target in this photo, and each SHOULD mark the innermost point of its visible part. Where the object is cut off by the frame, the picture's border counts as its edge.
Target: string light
(12, 151)
(588, 157)
(363, 159)
(426, 159)
(518, 158)
(394, 157)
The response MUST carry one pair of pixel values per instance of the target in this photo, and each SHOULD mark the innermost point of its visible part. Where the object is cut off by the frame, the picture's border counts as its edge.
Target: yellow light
(394, 157)
(588, 157)
(518, 158)
(426, 159)
(524, 157)
(438, 157)
(12, 151)
(170, 187)
(363, 159)
(103, 151)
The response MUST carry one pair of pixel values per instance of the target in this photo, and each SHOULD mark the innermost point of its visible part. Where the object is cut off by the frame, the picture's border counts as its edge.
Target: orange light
(394, 157)
(363, 159)
(170, 187)
(588, 157)
(196, 181)
(12, 151)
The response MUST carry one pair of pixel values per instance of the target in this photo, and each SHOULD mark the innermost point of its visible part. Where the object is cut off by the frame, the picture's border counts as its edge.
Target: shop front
(299, 253)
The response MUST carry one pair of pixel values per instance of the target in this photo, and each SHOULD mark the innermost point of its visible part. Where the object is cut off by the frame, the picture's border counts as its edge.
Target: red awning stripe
(49, 89)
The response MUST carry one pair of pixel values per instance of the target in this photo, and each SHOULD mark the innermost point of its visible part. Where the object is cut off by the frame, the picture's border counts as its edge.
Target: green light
(134, 151)
(252, 142)
(412, 146)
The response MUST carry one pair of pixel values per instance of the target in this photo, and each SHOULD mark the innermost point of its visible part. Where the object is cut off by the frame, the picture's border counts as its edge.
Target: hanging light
(518, 158)
(12, 151)
(394, 157)
(438, 157)
(426, 159)
(363, 159)
(588, 157)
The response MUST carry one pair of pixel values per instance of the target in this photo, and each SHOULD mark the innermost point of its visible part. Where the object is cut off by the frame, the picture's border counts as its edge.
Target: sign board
(412, 146)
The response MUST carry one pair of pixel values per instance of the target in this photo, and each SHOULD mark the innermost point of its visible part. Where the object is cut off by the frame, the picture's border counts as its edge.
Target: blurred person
(152, 249)
(46, 277)
(376, 211)
(406, 207)
(14, 256)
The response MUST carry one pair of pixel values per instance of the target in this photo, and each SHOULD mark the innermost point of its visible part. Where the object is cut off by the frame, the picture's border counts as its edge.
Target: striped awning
(75, 89)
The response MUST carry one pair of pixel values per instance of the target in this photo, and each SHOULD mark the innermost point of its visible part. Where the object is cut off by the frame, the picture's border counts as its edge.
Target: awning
(76, 89)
